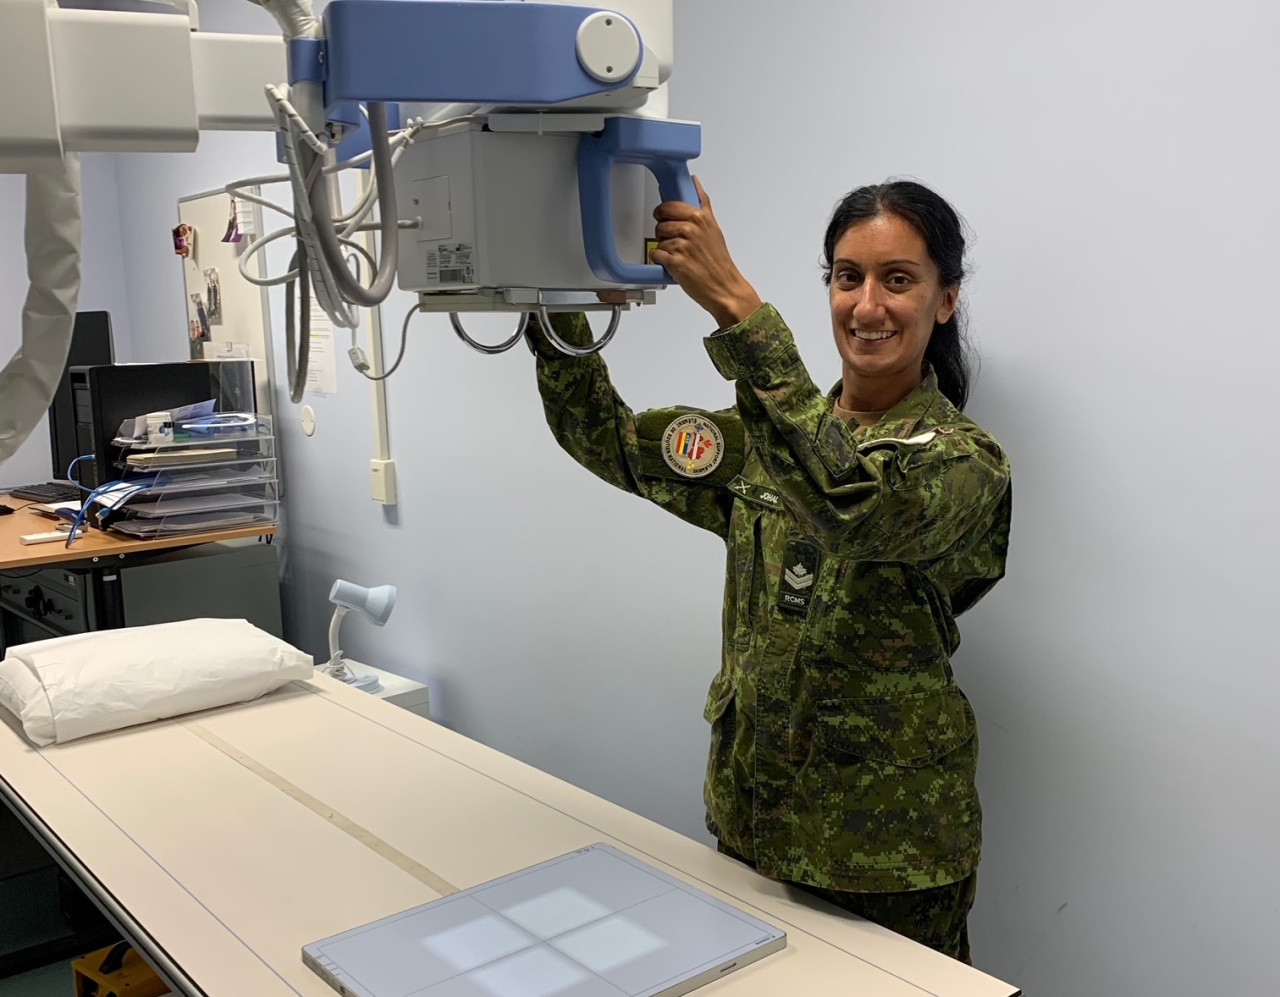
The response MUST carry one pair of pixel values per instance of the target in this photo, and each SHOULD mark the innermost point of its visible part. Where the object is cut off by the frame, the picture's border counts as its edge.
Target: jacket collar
(901, 420)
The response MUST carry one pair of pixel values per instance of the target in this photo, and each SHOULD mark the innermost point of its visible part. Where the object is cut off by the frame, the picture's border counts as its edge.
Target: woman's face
(885, 299)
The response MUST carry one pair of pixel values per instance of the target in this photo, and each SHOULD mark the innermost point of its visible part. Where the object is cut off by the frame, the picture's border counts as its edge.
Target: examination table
(222, 842)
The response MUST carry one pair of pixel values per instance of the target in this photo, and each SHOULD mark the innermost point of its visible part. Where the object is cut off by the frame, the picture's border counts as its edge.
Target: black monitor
(105, 396)
(90, 344)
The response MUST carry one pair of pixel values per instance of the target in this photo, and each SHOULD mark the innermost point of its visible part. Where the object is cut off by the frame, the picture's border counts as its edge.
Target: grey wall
(1116, 164)
(102, 287)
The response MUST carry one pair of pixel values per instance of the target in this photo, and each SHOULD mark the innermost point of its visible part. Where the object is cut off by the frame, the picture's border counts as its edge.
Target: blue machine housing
(477, 51)
(494, 52)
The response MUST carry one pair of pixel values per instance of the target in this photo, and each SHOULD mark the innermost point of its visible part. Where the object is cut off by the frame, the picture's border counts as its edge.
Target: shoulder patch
(651, 446)
(757, 494)
(693, 446)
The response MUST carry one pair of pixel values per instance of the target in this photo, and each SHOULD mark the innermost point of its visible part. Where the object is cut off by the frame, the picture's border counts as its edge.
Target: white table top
(234, 837)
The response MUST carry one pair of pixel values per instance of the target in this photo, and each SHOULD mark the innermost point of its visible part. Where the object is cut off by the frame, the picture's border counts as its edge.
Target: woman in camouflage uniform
(859, 524)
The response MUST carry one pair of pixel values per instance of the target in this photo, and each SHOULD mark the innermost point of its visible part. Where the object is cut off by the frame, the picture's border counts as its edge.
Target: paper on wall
(322, 365)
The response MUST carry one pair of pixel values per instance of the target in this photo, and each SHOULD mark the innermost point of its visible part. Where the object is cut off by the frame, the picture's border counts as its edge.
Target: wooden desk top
(94, 544)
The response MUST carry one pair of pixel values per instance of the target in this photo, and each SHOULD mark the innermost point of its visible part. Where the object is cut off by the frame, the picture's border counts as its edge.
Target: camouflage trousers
(937, 917)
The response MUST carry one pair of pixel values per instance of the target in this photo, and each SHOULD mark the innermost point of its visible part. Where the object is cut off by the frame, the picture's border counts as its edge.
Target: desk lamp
(375, 603)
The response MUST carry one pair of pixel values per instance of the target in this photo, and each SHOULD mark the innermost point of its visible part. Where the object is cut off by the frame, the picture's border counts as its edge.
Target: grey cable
(298, 362)
(404, 339)
(330, 247)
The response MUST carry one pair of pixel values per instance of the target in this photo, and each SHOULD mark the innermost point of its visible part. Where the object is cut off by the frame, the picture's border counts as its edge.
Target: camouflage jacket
(843, 754)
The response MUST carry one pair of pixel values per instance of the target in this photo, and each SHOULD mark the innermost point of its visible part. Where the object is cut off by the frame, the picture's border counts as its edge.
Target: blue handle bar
(664, 148)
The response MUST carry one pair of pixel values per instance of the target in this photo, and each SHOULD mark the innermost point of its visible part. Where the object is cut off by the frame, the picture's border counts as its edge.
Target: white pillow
(70, 687)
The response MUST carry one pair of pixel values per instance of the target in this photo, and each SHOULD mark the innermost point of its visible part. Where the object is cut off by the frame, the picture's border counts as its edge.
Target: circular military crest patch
(693, 446)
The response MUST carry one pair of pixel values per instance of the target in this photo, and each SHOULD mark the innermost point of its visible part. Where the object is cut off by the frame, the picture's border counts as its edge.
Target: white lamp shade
(376, 603)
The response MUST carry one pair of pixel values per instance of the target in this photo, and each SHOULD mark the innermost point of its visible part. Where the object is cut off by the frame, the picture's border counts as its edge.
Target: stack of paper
(181, 456)
(198, 523)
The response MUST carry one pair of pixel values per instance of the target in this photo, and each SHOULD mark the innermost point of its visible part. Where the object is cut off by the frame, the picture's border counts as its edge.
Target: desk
(222, 842)
(94, 545)
(103, 581)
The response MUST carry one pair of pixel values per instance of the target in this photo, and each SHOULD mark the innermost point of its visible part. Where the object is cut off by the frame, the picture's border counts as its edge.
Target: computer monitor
(108, 394)
(90, 344)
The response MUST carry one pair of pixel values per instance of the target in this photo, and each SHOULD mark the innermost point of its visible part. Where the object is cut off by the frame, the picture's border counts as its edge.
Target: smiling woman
(894, 257)
(859, 524)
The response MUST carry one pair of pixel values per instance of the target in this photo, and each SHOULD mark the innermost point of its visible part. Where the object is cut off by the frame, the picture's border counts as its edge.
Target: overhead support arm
(124, 82)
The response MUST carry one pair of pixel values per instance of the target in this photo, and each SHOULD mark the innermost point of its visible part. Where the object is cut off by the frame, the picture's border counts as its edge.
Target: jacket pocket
(721, 790)
(891, 791)
(719, 696)
(910, 732)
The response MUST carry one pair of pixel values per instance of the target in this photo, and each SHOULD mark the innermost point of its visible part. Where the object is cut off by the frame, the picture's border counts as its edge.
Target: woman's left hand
(692, 248)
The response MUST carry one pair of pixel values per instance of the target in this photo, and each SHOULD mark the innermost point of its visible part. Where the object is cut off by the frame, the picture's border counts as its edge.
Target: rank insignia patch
(799, 571)
(693, 446)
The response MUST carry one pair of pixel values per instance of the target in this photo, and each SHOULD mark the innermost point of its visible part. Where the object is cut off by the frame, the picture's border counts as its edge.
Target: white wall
(102, 287)
(1117, 167)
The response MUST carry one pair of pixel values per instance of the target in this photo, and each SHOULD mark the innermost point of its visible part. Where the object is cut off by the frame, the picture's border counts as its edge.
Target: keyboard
(50, 491)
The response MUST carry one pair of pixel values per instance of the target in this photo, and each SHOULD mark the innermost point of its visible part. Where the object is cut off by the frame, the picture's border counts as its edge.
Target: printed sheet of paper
(322, 365)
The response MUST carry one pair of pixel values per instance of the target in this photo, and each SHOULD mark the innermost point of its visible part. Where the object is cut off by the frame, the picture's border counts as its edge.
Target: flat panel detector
(594, 923)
